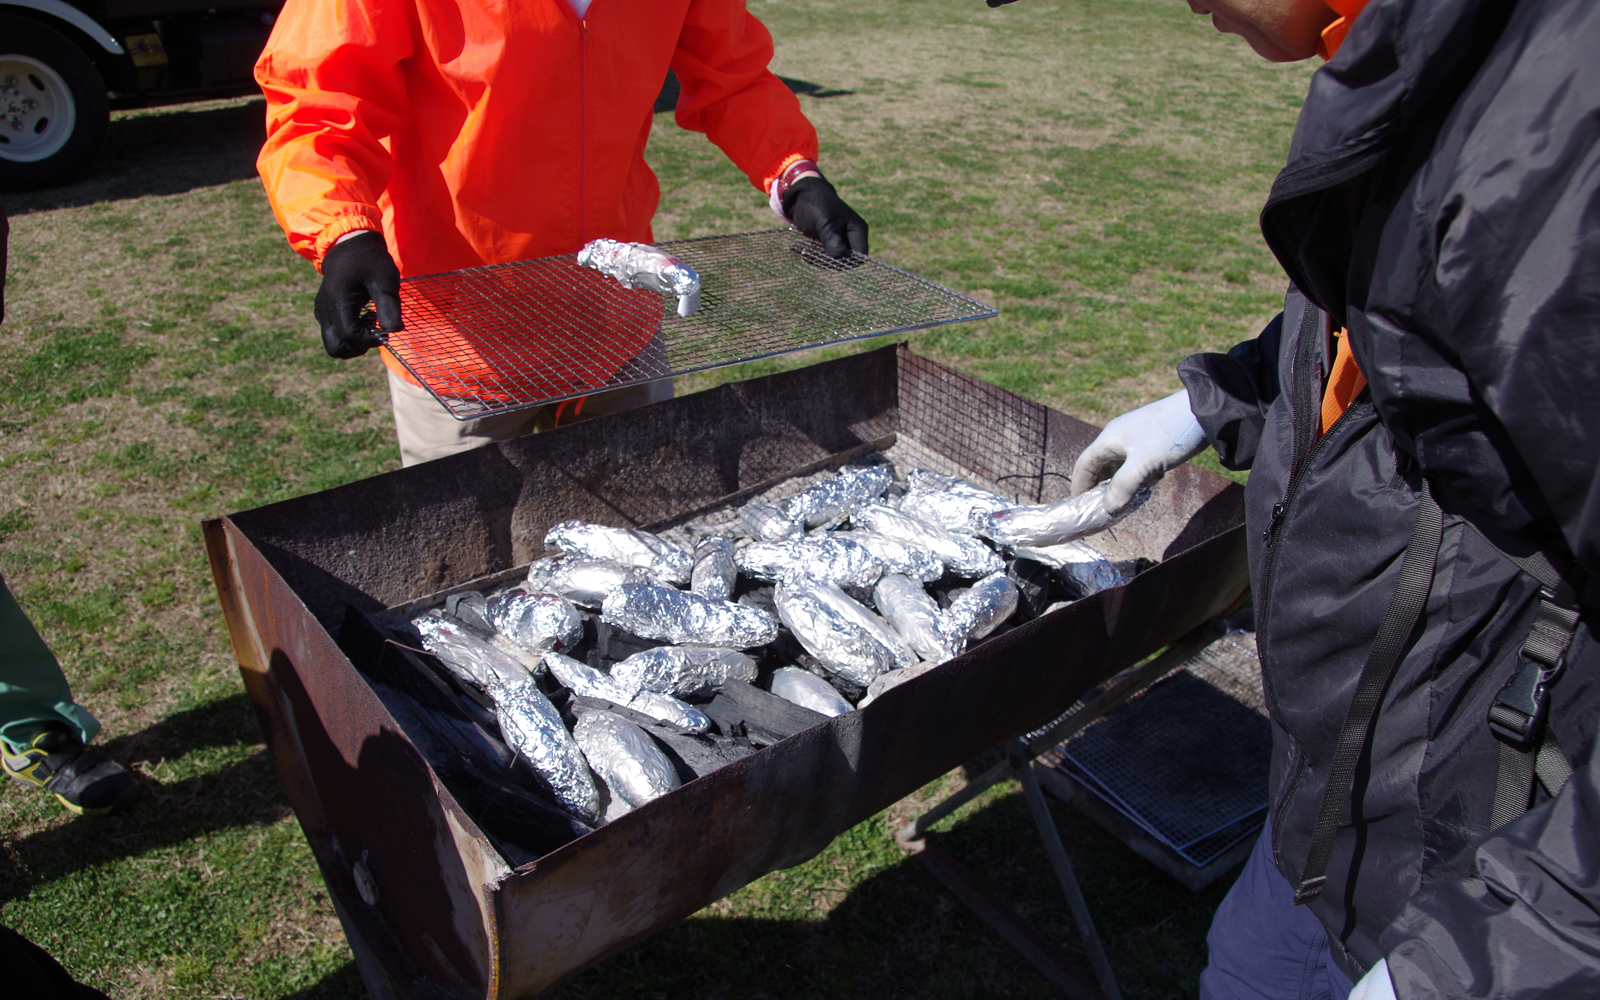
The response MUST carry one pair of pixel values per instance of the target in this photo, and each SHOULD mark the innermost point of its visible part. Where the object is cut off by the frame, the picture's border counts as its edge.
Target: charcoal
(764, 716)
(472, 609)
(613, 644)
(1033, 586)
(762, 597)
(695, 756)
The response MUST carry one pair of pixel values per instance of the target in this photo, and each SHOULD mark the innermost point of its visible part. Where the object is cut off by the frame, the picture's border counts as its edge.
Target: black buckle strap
(1405, 610)
(1520, 714)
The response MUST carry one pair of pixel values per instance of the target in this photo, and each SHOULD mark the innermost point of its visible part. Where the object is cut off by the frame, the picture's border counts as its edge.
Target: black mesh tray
(493, 339)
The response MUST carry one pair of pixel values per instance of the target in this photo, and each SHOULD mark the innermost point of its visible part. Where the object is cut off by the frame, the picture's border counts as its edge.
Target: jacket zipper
(1288, 793)
(1304, 392)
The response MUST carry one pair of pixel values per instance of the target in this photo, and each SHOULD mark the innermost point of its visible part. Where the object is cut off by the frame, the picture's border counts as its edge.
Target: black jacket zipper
(1307, 352)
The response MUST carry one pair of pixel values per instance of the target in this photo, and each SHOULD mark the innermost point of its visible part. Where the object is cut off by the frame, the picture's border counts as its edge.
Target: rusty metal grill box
(432, 907)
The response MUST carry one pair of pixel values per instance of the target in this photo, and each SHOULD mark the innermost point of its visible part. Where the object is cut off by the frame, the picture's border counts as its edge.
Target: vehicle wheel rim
(37, 112)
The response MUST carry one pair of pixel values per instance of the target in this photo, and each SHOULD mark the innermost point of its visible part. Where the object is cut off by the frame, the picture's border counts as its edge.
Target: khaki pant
(427, 430)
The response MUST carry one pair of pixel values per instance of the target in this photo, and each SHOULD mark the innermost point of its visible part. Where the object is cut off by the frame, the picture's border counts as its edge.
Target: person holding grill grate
(412, 137)
(1423, 512)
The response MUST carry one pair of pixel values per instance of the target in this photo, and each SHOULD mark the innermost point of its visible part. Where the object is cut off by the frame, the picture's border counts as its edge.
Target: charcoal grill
(432, 907)
(500, 338)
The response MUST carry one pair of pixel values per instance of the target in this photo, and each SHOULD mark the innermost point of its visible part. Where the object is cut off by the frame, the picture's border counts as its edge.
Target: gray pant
(427, 430)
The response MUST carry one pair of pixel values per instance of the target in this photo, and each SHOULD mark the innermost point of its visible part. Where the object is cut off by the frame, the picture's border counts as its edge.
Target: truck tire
(53, 107)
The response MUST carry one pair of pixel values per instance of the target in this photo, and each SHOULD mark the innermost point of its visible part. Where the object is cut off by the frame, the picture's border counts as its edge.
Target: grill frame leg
(914, 836)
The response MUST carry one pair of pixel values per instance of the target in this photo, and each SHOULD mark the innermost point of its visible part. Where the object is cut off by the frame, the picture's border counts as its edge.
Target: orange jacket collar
(1333, 34)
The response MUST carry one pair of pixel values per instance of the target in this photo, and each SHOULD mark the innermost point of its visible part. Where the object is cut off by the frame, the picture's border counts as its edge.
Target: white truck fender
(73, 16)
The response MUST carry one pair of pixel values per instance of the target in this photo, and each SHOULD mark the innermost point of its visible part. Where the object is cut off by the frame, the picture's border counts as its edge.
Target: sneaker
(82, 779)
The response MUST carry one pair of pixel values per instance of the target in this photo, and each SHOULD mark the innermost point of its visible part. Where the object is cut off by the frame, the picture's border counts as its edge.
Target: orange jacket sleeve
(729, 94)
(334, 87)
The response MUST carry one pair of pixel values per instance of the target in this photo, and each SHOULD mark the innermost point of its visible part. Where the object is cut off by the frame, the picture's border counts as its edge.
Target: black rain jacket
(1441, 201)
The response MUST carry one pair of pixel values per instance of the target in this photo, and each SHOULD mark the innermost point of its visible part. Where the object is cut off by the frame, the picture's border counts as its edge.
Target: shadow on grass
(667, 100)
(343, 983)
(899, 932)
(161, 151)
(245, 792)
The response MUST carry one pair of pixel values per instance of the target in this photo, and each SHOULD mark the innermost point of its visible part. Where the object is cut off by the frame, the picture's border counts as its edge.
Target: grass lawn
(1094, 168)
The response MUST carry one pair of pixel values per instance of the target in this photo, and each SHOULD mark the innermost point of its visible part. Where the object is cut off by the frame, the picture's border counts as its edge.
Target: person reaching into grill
(1423, 510)
(413, 137)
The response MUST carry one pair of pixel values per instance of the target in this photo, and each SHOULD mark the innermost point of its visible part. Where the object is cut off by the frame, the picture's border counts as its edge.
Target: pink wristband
(785, 180)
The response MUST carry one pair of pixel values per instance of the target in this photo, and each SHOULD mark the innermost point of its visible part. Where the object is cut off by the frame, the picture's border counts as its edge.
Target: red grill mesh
(500, 338)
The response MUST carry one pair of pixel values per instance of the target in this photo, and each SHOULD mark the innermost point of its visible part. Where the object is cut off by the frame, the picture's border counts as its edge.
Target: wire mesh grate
(998, 439)
(1187, 759)
(509, 336)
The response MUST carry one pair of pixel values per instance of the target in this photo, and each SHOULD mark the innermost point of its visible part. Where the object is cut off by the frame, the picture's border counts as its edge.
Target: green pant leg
(33, 690)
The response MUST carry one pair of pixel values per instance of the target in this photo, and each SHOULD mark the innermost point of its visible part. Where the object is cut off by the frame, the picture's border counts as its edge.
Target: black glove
(816, 209)
(357, 271)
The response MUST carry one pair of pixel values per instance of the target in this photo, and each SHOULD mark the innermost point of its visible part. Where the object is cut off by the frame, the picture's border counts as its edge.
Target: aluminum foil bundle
(686, 619)
(533, 727)
(585, 582)
(953, 504)
(807, 690)
(714, 571)
(536, 622)
(905, 558)
(670, 710)
(684, 671)
(963, 555)
(466, 655)
(847, 638)
(640, 265)
(893, 678)
(979, 611)
(839, 495)
(587, 682)
(1059, 522)
(1084, 567)
(836, 558)
(913, 615)
(638, 549)
(625, 757)
(767, 522)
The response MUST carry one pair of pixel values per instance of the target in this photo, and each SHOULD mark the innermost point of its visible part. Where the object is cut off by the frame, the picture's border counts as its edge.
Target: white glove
(1140, 447)
(1376, 984)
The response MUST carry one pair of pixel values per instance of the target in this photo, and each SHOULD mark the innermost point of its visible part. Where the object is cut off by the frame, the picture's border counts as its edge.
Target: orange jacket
(482, 131)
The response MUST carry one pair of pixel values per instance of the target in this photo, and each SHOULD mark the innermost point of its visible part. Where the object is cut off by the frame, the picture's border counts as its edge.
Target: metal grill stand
(1021, 752)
